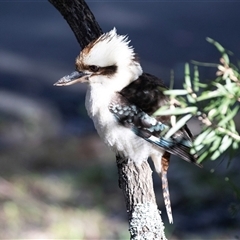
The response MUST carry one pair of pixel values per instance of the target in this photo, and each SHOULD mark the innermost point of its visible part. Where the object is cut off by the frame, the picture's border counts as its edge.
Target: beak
(72, 78)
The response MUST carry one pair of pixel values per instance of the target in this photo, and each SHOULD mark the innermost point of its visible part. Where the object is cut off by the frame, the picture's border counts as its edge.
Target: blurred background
(57, 178)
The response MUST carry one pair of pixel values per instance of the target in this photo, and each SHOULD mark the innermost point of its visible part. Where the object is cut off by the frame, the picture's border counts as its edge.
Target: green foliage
(215, 105)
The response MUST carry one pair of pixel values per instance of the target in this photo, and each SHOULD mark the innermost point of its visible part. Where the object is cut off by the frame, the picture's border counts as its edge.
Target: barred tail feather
(166, 197)
(166, 194)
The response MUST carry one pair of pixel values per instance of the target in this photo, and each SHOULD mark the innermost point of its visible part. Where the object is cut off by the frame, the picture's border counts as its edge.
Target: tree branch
(136, 183)
(80, 19)
(135, 180)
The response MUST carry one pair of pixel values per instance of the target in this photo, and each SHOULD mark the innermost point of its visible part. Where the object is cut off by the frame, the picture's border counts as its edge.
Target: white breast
(119, 138)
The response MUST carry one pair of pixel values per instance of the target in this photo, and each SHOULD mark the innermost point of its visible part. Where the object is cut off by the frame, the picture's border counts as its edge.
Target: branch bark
(136, 183)
(134, 180)
(80, 19)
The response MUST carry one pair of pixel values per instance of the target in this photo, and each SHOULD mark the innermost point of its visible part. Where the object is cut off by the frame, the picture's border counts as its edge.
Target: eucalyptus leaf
(221, 88)
(160, 111)
(176, 111)
(180, 123)
(203, 156)
(224, 107)
(187, 76)
(213, 113)
(235, 145)
(201, 137)
(226, 142)
(176, 92)
(232, 126)
(220, 48)
(204, 64)
(213, 104)
(209, 95)
(196, 79)
(229, 116)
(210, 137)
(202, 85)
(230, 86)
(191, 99)
(216, 144)
(198, 148)
(215, 155)
(218, 100)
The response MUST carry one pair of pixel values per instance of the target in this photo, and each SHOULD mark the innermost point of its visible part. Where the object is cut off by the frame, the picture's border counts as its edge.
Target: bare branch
(80, 19)
(144, 217)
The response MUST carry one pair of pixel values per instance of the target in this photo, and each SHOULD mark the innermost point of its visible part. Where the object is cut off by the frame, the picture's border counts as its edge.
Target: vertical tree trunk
(136, 183)
(135, 180)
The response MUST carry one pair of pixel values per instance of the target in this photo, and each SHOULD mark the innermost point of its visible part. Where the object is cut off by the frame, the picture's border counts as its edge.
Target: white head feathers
(109, 49)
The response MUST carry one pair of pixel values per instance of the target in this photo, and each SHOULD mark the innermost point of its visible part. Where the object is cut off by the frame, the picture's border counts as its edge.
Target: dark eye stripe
(94, 68)
(108, 71)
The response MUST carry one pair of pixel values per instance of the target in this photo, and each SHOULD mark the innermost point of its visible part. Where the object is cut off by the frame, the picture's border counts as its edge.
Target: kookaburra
(120, 100)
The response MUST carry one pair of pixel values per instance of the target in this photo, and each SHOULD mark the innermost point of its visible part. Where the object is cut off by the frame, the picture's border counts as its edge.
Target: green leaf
(235, 145)
(229, 116)
(220, 48)
(191, 99)
(176, 92)
(215, 155)
(210, 137)
(216, 144)
(221, 88)
(196, 79)
(180, 123)
(232, 126)
(160, 111)
(226, 142)
(208, 95)
(224, 107)
(182, 101)
(161, 88)
(213, 113)
(202, 85)
(203, 156)
(175, 111)
(201, 137)
(205, 64)
(230, 86)
(213, 104)
(187, 76)
(197, 148)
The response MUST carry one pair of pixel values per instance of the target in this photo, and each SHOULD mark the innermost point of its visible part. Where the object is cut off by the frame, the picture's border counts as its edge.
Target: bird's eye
(93, 68)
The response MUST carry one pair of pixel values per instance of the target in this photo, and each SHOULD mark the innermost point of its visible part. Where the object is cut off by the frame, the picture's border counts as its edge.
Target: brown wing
(146, 92)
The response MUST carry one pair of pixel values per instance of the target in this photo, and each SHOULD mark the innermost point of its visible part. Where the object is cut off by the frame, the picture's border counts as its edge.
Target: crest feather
(109, 49)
